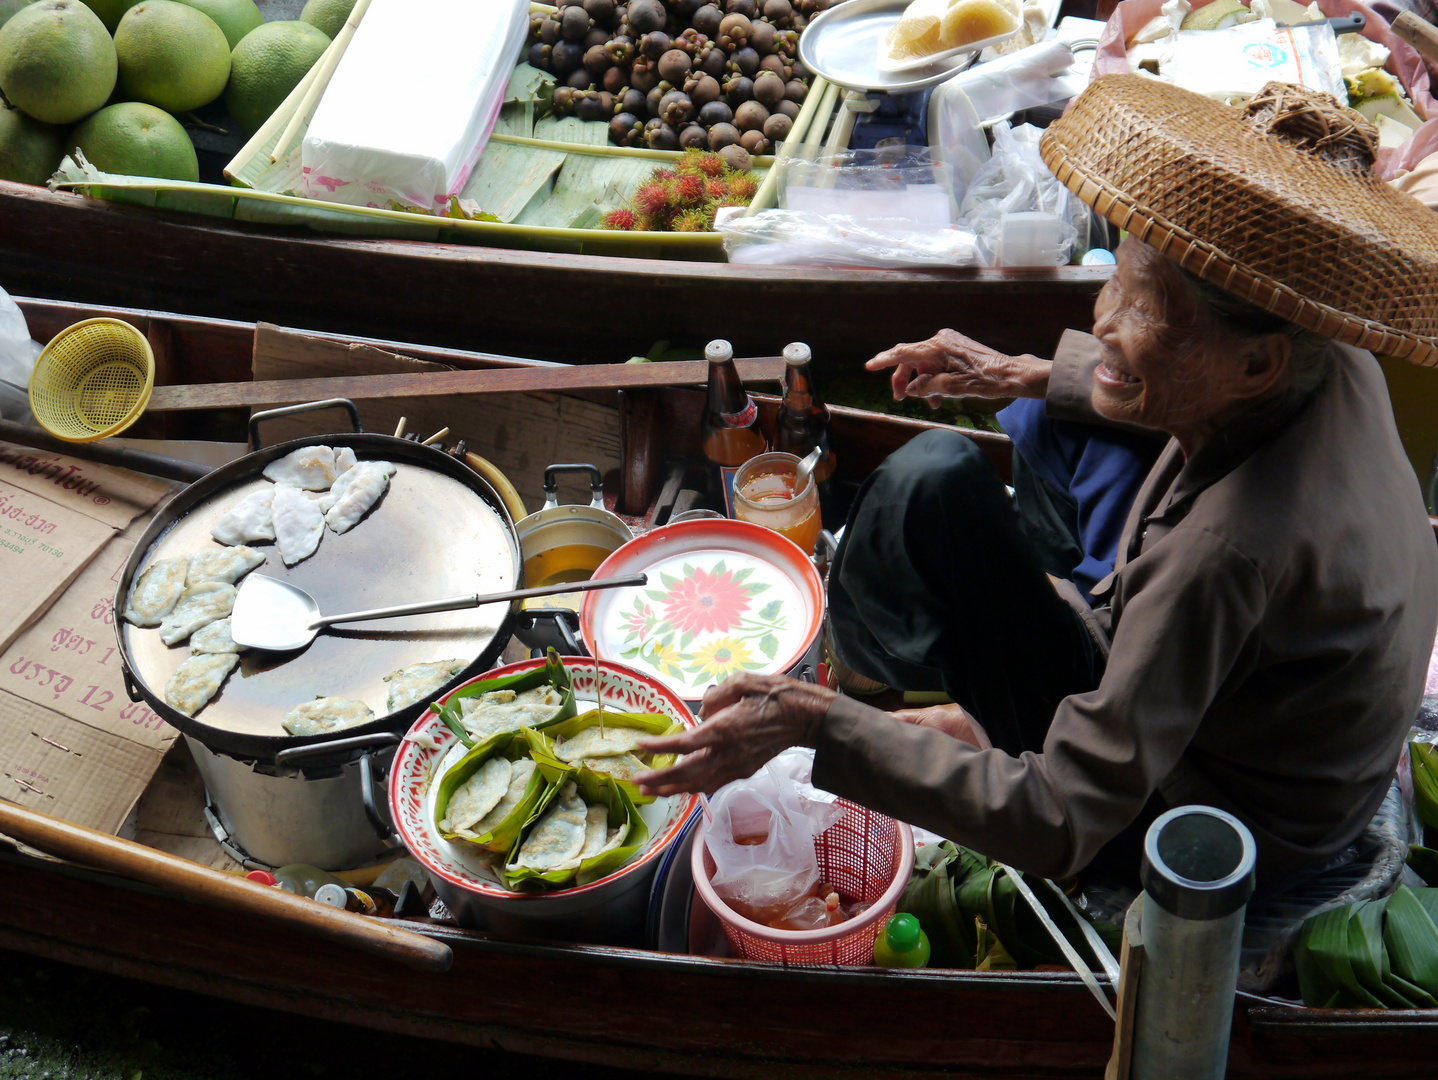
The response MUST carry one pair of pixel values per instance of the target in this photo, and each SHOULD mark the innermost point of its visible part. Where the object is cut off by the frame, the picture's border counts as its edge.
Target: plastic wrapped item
(412, 103)
(1234, 64)
(761, 839)
(795, 238)
(17, 361)
(1014, 181)
(890, 182)
(1034, 76)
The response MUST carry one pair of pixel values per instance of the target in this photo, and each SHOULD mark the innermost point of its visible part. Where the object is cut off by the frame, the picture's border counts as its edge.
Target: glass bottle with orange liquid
(731, 421)
(803, 421)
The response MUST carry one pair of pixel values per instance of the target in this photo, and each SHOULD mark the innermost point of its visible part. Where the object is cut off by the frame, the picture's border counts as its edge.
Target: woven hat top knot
(1315, 123)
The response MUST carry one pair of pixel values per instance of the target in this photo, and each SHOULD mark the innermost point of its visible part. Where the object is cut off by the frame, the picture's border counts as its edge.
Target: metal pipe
(186, 472)
(1197, 876)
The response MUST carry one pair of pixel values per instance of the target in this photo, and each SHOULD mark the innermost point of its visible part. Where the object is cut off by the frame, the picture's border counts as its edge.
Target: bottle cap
(902, 932)
(796, 352)
(718, 350)
(331, 894)
(264, 877)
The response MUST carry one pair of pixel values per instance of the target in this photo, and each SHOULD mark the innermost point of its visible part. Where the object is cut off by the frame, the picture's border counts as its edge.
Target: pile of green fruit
(682, 74)
(107, 77)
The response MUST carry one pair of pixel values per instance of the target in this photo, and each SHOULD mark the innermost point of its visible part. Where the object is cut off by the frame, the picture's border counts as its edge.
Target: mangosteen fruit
(620, 49)
(754, 142)
(737, 90)
(722, 135)
(549, 30)
(615, 80)
(652, 100)
(601, 11)
(716, 112)
(715, 62)
(702, 89)
(687, 8)
(775, 62)
(564, 58)
(768, 88)
(598, 36)
(580, 79)
(675, 108)
(674, 65)
(747, 8)
(795, 91)
(563, 100)
(798, 22)
(693, 137)
(660, 136)
(778, 11)
(707, 19)
(761, 37)
(646, 16)
(788, 108)
(539, 54)
(632, 102)
(691, 41)
(596, 60)
(746, 61)
(590, 107)
(642, 75)
(777, 127)
(750, 116)
(736, 157)
(735, 28)
(656, 44)
(574, 23)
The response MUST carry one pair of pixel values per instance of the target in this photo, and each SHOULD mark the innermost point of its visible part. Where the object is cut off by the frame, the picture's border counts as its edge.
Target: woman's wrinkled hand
(951, 719)
(950, 364)
(748, 719)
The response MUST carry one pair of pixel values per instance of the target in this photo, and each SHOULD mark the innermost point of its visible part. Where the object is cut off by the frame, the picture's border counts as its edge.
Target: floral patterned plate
(723, 597)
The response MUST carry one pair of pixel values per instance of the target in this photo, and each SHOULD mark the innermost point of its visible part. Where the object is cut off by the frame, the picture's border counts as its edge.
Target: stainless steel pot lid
(434, 533)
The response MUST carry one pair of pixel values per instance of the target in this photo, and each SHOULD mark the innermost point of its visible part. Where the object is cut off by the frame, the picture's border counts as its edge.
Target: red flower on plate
(702, 602)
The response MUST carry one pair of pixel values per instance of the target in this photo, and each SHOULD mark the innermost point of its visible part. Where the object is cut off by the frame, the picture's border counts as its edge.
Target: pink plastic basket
(865, 855)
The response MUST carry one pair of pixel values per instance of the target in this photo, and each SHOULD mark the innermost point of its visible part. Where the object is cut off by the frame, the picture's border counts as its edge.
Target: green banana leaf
(1371, 954)
(595, 788)
(652, 723)
(929, 897)
(1412, 939)
(1325, 972)
(1424, 862)
(553, 672)
(537, 795)
(1369, 957)
(1424, 759)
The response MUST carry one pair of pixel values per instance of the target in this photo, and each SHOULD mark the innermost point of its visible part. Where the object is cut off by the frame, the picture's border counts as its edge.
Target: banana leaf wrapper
(651, 723)
(1372, 954)
(596, 789)
(552, 673)
(537, 796)
(1424, 863)
(1423, 758)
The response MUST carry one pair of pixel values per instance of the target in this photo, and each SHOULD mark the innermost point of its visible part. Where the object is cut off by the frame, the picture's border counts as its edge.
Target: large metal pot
(439, 531)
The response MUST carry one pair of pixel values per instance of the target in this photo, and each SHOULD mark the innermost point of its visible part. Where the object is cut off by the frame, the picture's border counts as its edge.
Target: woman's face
(1165, 365)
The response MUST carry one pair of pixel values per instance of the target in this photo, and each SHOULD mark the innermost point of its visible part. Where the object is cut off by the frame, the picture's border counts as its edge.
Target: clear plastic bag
(17, 361)
(761, 838)
(792, 237)
(1015, 180)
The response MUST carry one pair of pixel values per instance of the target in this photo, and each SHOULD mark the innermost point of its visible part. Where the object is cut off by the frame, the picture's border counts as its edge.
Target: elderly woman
(1260, 646)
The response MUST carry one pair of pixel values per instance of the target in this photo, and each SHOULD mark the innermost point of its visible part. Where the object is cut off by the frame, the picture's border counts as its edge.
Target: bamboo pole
(195, 882)
(819, 100)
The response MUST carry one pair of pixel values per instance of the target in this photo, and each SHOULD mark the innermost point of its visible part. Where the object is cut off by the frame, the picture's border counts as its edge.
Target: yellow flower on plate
(721, 658)
(663, 656)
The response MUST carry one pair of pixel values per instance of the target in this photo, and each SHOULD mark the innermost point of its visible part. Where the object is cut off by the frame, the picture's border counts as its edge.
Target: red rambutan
(716, 189)
(689, 189)
(623, 218)
(697, 220)
(662, 176)
(653, 199)
(743, 185)
(709, 163)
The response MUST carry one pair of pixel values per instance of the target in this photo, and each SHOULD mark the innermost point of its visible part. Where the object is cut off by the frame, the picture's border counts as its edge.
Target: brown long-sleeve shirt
(1272, 612)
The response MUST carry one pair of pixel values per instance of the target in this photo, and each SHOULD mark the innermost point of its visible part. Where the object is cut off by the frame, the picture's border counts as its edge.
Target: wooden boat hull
(573, 308)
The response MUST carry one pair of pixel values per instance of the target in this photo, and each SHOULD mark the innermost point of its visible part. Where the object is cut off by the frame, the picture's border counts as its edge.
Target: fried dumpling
(249, 521)
(299, 525)
(478, 795)
(366, 483)
(197, 680)
(599, 741)
(506, 710)
(227, 564)
(519, 777)
(309, 467)
(156, 591)
(558, 837)
(418, 681)
(198, 606)
(619, 766)
(326, 714)
(215, 638)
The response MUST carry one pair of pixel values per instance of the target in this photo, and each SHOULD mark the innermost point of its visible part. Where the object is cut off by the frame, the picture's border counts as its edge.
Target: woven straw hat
(1275, 202)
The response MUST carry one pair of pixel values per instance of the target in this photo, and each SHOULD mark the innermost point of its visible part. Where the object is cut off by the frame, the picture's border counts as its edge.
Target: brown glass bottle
(731, 422)
(803, 420)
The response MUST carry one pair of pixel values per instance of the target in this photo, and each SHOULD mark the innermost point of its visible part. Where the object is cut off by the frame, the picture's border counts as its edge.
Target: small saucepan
(564, 543)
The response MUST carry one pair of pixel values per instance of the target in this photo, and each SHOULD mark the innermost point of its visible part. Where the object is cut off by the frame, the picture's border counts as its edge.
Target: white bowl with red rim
(723, 597)
(610, 910)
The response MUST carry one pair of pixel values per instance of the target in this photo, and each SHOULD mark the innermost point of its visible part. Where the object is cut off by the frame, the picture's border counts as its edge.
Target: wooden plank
(453, 383)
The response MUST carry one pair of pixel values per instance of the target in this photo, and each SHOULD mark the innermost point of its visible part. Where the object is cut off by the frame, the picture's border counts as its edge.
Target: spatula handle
(454, 603)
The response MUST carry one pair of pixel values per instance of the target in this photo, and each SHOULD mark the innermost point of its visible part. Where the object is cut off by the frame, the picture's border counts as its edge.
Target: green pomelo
(9, 7)
(171, 55)
(135, 139)
(29, 150)
(57, 61)
(110, 11)
(267, 65)
(327, 16)
(235, 17)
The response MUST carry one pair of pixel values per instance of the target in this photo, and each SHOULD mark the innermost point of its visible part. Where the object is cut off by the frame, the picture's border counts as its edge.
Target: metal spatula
(279, 617)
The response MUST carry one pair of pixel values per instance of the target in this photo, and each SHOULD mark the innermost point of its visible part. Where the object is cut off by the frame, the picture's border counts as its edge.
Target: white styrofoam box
(413, 100)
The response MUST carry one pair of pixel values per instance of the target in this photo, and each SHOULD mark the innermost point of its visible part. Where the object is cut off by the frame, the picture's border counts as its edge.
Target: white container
(412, 102)
(1033, 238)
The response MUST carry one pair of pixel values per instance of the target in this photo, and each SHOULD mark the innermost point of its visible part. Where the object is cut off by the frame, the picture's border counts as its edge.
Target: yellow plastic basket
(94, 379)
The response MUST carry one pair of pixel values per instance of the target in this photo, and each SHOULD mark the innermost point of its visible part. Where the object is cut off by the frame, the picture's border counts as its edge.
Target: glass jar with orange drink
(764, 495)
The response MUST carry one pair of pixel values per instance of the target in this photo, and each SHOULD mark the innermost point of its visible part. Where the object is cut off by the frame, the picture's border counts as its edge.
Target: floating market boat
(563, 304)
(630, 1007)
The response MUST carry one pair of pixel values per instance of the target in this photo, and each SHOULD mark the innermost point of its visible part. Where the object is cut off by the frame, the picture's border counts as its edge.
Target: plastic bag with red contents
(761, 837)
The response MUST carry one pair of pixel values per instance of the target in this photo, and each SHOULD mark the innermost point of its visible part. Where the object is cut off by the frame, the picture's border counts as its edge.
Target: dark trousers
(936, 586)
